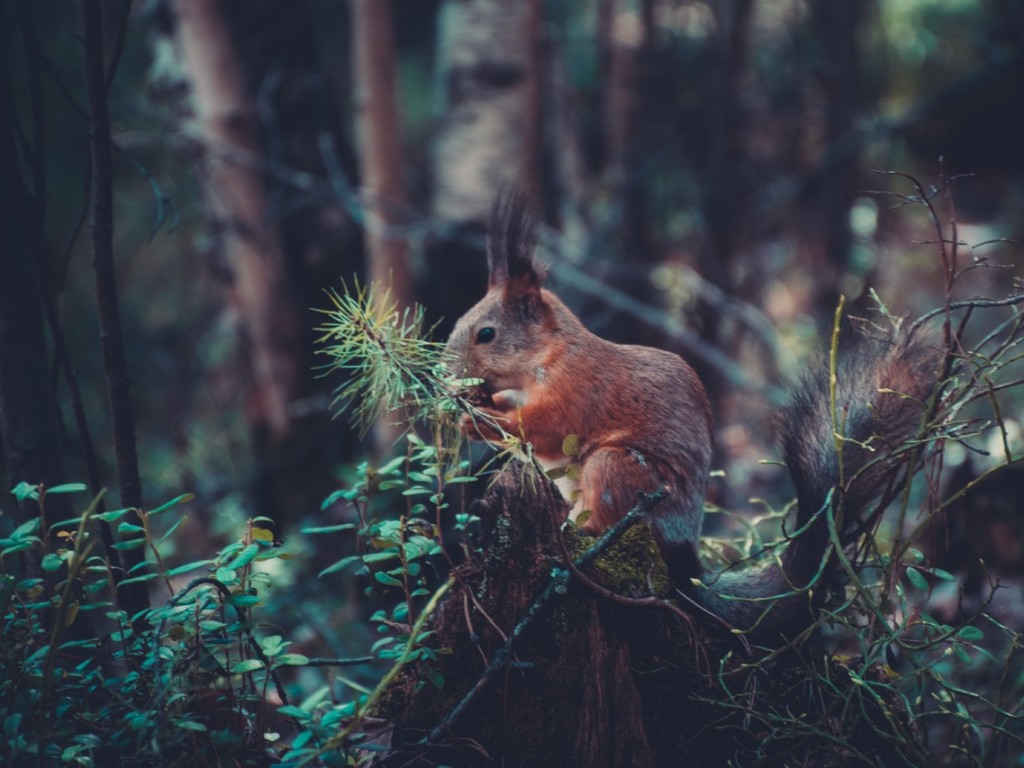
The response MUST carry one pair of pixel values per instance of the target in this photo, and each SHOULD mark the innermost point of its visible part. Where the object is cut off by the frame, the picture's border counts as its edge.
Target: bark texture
(595, 682)
(29, 430)
(380, 142)
(487, 78)
(383, 167)
(134, 597)
(234, 166)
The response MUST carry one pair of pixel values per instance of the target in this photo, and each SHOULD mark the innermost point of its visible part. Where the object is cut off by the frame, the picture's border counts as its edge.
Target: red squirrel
(643, 421)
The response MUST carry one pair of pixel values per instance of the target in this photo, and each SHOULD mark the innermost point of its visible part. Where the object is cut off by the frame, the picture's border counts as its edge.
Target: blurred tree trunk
(134, 597)
(382, 162)
(488, 134)
(837, 27)
(725, 187)
(234, 166)
(628, 64)
(29, 427)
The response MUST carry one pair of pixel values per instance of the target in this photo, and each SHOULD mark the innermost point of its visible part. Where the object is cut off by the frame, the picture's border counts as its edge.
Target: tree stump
(588, 680)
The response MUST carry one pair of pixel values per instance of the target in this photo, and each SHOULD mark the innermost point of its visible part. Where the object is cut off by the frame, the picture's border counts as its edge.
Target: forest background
(707, 174)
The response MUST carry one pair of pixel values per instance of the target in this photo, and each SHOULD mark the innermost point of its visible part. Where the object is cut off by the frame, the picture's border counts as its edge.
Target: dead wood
(556, 674)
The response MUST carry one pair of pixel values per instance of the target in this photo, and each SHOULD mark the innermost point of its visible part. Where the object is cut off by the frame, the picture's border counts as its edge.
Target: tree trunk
(29, 430)
(838, 26)
(591, 679)
(488, 136)
(235, 190)
(134, 597)
(489, 132)
(383, 167)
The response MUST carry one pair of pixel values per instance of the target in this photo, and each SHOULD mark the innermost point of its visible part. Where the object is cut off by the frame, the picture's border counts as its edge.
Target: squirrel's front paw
(484, 424)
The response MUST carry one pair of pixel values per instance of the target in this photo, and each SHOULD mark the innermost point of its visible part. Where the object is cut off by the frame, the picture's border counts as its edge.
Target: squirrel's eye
(485, 335)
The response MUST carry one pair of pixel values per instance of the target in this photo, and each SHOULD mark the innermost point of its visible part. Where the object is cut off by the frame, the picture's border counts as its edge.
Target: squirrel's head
(506, 336)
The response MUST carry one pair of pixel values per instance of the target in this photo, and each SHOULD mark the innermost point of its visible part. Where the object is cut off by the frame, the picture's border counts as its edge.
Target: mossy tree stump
(594, 681)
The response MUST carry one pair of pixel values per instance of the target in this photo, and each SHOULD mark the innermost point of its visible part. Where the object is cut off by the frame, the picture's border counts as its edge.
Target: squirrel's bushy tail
(883, 389)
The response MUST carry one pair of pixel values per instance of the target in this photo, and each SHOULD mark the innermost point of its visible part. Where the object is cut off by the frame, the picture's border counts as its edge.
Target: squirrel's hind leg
(611, 480)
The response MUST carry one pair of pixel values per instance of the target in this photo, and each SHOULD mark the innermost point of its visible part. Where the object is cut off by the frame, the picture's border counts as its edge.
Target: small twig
(1009, 301)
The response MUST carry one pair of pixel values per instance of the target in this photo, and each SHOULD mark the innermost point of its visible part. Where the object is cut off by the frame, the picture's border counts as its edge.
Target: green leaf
(341, 564)
(114, 514)
(330, 528)
(290, 710)
(19, 547)
(68, 488)
(172, 503)
(243, 601)
(26, 529)
(915, 577)
(173, 528)
(23, 491)
(970, 634)
(51, 562)
(292, 659)
(249, 665)
(418, 492)
(379, 557)
(556, 473)
(944, 575)
(244, 557)
(387, 578)
(139, 579)
(190, 725)
(189, 567)
(571, 445)
(130, 544)
(345, 494)
(226, 575)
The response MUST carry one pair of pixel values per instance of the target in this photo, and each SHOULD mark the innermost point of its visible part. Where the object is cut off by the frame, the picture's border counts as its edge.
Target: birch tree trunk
(236, 193)
(487, 75)
(488, 136)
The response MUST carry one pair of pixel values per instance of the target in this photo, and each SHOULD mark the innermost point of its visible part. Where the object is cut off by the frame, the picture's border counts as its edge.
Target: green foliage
(192, 680)
(401, 559)
(917, 681)
(181, 683)
(388, 363)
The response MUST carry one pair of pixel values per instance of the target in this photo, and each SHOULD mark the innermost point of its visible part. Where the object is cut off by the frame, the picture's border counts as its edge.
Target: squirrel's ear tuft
(511, 240)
